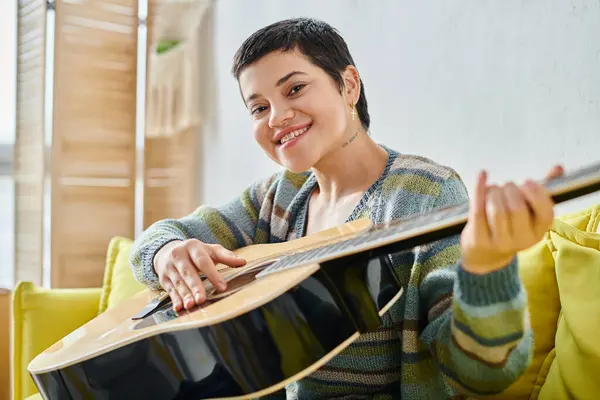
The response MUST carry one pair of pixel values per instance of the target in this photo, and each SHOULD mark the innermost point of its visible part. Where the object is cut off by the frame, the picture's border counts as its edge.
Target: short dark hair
(318, 41)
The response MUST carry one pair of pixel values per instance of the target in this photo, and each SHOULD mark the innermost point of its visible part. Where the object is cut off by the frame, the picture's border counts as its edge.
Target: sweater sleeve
(476, 326)
(240, 222)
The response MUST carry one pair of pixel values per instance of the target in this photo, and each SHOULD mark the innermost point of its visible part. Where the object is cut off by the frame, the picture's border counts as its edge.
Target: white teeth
(293, 134)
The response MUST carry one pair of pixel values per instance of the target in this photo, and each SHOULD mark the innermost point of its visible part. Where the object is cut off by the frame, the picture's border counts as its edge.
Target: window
(8, 19)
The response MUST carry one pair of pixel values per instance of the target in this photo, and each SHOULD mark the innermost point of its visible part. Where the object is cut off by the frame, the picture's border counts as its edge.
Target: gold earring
(353, 111)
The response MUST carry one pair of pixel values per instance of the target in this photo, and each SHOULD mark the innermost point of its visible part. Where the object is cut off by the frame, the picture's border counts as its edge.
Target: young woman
(462, 325)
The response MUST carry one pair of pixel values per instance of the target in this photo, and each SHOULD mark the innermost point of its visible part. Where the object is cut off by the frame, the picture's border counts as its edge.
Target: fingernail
(198, 298)
(222, 285)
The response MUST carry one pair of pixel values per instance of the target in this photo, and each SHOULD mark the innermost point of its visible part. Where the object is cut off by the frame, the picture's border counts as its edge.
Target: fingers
(168, 286)
(221, 255)
(186, 277)
(516, 217)
(202, 259)
(197, 256)
(179, 265)
(555, 172)
(179, 276)
(503, 221)
(498, 218)
(520, 216)
(477, 210)
(175, 298)
(541, 205)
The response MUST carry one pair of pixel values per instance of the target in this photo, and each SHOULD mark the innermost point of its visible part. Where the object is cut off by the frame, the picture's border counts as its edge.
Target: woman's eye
(258, 110)
(296, 89)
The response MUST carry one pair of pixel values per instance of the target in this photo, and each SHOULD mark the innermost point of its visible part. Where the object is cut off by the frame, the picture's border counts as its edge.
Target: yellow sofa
(561, 274)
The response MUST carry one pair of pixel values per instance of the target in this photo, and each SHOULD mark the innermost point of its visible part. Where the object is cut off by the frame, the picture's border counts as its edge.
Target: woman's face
(298, 112)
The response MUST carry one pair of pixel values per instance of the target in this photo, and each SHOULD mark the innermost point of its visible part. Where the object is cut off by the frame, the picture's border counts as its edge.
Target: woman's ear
(351, 80)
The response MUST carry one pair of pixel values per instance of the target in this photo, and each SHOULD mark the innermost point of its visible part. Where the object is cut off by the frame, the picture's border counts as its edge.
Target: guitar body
(248, 342)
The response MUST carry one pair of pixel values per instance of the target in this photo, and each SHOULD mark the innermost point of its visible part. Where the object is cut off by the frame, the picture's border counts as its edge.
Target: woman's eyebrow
(280, 82)
(284, 79)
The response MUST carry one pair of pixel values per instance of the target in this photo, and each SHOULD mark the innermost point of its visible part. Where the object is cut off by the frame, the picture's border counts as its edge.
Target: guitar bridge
(153, 305)
(158, 302)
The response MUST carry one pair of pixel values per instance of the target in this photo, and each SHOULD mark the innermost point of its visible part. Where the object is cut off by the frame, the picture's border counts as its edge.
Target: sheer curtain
(8, 23)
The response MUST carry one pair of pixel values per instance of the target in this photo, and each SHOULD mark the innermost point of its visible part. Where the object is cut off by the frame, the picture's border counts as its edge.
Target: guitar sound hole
(238, 281)
(235, 283)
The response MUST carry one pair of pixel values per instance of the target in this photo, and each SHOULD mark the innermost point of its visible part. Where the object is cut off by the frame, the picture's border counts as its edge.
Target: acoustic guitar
(289, 310)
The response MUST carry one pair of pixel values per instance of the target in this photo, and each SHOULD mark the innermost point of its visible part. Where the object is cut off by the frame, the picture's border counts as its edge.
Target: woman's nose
(279, 115)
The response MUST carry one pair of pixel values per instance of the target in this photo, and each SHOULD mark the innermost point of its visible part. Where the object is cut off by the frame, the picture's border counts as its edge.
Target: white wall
(510, 86)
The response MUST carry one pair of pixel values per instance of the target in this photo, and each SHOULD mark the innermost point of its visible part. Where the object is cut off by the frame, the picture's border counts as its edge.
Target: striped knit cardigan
(451, 333)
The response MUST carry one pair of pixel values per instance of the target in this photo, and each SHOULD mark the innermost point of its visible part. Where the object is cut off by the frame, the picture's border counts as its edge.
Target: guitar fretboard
(374, 238)
(424, 228)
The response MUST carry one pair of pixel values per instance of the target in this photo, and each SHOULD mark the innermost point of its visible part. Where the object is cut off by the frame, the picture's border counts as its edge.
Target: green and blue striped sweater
(451, 333)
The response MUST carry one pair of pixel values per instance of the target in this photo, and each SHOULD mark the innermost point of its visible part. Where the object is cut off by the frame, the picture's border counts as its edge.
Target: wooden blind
(169, 177)
(169, 160)
(29, 140)
(93, 149)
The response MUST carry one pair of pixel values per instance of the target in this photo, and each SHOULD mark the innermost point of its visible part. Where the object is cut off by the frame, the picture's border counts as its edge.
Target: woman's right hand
(179, 263)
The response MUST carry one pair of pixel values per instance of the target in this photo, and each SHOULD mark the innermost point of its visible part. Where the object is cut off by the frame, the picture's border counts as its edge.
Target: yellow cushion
(36, 396)
(536, 268)
(575, 364)
(119, 281)
(587, 219)
(41, 317)
(538, 274)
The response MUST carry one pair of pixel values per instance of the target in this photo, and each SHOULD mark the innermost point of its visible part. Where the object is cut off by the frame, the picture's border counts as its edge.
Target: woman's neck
(351, 168)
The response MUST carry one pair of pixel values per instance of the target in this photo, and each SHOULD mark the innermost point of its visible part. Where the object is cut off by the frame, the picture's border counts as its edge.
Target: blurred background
(89, 148)
(511, 87)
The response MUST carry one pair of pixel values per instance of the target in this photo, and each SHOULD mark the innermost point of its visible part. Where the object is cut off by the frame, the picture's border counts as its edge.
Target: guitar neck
(441, 223)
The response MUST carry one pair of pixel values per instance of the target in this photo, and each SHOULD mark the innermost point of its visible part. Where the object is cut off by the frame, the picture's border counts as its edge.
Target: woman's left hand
(504, 220)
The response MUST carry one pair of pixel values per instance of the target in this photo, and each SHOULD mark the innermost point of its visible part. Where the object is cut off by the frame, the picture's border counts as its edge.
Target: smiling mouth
(294, 134)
